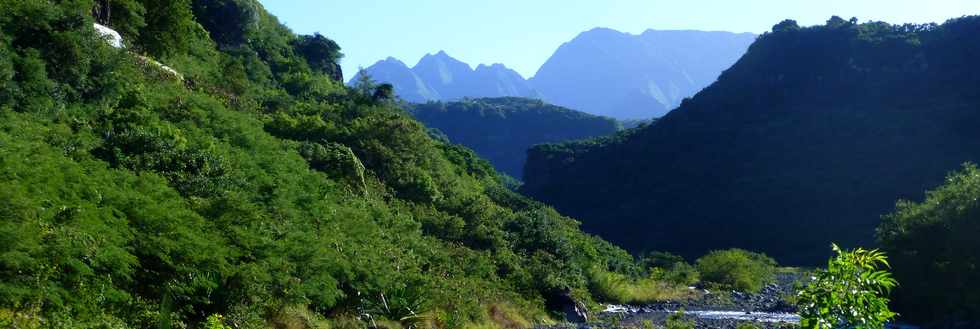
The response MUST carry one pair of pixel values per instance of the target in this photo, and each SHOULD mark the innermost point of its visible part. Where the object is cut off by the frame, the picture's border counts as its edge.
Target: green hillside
(252, 184)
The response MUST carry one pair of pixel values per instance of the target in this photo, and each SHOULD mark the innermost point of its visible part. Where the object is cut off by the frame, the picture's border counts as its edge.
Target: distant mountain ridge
(601, 71)
(440, 77)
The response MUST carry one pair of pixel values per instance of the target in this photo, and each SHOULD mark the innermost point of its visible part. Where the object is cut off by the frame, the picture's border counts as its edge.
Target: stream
(633, 316)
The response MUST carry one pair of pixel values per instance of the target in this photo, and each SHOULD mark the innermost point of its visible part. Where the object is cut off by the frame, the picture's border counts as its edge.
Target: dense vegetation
(252, 190)
(935, 252)
(807, 139)
(501, 130)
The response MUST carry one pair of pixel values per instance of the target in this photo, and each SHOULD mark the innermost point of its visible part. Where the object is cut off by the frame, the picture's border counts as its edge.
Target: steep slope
(808, 139)
(254, 192)
(448, 76)
(607, 72)
(498, 81)
(501, 130)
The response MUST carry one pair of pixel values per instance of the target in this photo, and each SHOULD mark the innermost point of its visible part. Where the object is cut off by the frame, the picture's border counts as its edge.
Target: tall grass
(617, 288)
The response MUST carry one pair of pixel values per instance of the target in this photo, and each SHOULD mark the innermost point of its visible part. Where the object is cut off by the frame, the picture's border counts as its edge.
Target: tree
(935, 251)
(785, 26)
(124, 16)
(850, 293)
(169, 27)
(228, 21)
(365, 85)
(836, 22)
(321, 53)
(384, 92)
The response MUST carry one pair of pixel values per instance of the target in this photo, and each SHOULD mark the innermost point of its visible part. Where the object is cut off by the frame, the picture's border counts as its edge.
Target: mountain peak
(494, 67)
(391, 60)
(602, 32)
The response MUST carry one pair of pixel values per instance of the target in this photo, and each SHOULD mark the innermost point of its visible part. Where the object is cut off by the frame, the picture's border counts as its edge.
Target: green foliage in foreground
(935, 251)
(256, 186)
(737, 269)
(851, 293)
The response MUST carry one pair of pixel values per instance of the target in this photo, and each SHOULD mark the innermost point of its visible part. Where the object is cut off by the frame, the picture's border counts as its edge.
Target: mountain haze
(626, 76)
(601, 71)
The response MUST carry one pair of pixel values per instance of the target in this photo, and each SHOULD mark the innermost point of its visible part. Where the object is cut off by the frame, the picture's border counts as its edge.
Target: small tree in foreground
(851, 293)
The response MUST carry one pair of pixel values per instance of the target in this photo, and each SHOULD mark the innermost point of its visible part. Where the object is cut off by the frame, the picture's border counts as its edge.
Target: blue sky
(523, 33)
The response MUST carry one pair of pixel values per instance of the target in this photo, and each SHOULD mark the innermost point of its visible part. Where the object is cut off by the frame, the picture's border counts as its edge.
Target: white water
(743, 316)
(719, 315)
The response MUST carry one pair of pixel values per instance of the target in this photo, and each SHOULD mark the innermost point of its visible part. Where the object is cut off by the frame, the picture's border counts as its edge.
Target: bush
(935, 252)
(737, 269)
(679, 273)
(850, 293)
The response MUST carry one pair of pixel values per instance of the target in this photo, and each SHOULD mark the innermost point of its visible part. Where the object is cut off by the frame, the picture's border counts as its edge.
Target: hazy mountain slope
(607, 72)
(498, 81)
(808, 139)
(502, 129)
(450, 77)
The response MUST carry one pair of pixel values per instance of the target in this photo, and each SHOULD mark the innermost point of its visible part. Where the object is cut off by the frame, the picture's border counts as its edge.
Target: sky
(522, 34)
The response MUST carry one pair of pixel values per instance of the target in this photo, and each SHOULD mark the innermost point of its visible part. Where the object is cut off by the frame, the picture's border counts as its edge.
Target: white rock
(111, 36)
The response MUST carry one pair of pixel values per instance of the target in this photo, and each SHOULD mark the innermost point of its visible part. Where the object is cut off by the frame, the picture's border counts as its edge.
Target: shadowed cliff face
(607, 72)
(807, 140)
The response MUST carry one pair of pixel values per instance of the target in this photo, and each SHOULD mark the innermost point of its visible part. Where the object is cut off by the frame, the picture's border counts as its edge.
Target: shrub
(680, 273)
(850, 293)
(216, 321)
(737, 269)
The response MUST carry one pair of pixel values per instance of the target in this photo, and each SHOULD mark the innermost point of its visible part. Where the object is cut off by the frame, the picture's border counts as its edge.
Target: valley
(198, 164)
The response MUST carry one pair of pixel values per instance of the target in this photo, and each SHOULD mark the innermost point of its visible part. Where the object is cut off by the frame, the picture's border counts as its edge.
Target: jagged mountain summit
(440, 77)
(602, 72)
(607, 72)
